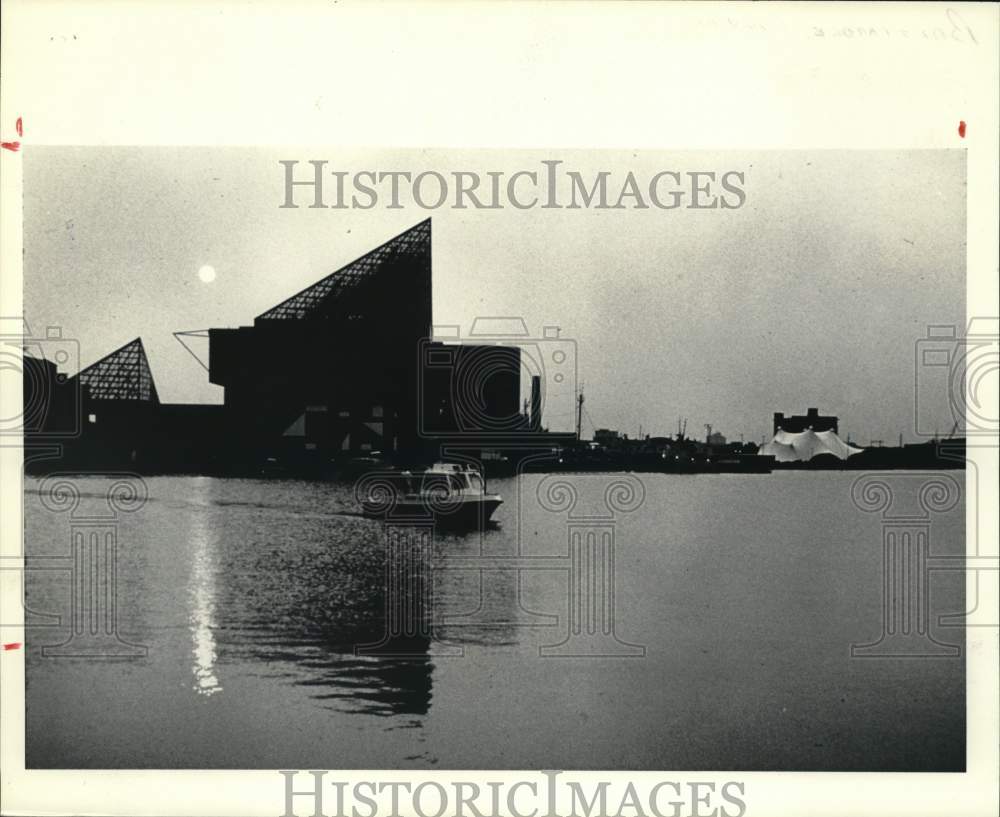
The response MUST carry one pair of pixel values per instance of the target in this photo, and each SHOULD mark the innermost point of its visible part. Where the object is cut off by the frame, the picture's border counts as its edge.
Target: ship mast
(579, 414)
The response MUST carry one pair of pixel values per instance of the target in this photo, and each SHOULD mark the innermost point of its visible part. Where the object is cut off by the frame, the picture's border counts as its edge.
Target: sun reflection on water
(202, 592)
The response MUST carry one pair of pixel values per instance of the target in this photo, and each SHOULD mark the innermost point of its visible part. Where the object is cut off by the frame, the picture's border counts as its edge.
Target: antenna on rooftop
(579, 413)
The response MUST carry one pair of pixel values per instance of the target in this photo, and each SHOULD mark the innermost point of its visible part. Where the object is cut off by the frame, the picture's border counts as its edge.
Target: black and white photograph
(371, 509)
(581, 470)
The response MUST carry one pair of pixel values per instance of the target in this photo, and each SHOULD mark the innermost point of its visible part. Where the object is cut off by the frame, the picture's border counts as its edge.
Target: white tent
(802, 447)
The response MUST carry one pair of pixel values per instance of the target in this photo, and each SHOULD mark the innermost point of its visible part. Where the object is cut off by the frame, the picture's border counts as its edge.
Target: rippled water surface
(718, 637)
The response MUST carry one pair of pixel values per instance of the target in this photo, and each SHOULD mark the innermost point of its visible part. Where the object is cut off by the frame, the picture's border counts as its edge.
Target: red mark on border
(961, 128)
(14, 146)
(14, 645)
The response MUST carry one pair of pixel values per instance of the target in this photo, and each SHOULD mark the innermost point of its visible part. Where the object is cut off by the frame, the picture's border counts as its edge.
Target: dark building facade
(334, 367)
(798, 423)
(348, 366)
(345, 367)
(109, 415)
(51, 400)
(470, 389)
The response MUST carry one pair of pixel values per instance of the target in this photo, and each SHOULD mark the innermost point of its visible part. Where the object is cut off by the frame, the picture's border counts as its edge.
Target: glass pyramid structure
(122, 375)
(333, 295)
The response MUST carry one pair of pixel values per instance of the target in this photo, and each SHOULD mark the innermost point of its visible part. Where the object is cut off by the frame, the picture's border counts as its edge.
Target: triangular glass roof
(122, 375)
(318, 300)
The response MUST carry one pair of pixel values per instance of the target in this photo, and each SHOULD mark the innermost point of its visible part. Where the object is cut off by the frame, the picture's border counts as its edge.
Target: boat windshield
(442, 484)
(455, 482)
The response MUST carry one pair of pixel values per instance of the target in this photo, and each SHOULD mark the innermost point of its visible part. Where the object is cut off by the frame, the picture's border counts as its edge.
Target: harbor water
(606, 621)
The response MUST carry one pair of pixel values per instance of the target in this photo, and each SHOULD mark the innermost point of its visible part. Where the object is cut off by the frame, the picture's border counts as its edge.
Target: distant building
(607, 437)
(798, 423)
(808, 445)
(660, 442)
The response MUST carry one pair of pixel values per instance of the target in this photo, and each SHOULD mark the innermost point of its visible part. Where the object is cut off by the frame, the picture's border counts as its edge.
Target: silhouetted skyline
(814, 293)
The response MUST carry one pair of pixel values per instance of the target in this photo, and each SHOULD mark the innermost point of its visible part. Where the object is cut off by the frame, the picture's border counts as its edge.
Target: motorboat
(452, 494)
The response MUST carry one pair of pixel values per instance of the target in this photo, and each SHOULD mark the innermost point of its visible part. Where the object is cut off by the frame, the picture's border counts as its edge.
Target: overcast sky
(812, 294)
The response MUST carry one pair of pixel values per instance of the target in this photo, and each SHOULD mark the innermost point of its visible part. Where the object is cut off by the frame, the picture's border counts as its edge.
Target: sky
(813, 293)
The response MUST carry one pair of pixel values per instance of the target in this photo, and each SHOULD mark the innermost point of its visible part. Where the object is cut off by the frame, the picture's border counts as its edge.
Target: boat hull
(471, 512)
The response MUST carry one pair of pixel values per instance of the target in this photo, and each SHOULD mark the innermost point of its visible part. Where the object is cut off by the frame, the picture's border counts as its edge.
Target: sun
(207, 274)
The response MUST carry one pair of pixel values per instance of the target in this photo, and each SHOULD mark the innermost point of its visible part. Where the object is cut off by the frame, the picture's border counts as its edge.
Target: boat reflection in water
(332, 602)
(381, 662)
(317, 596)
